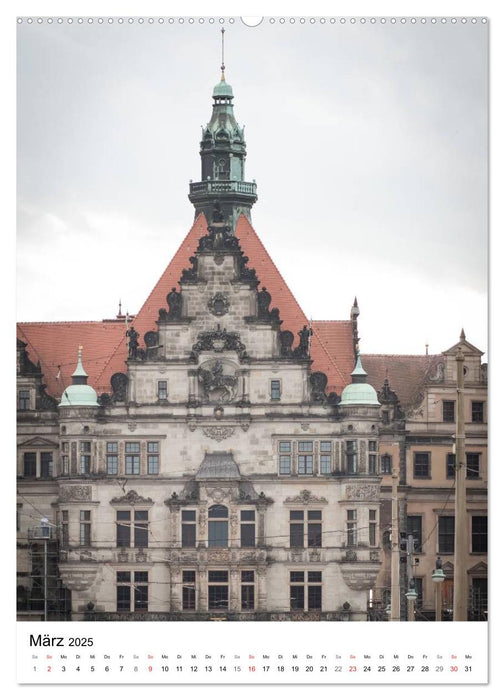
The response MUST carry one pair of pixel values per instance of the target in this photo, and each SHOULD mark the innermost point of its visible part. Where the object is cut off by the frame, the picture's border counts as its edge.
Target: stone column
(245, 384)
(261, 588)
(192, 385)
(261, 531)
(201, 589)
(175, 588)
(234, 590)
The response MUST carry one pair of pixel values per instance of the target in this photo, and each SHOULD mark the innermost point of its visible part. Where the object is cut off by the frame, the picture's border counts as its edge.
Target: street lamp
(411, 596)
(438, 576)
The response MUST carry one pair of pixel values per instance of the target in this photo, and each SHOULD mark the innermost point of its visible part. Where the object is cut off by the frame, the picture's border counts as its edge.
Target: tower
(223, 153)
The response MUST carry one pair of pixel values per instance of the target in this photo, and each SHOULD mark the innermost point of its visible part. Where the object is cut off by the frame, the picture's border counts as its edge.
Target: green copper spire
(79, 393)
(223, 153)
(359, 393)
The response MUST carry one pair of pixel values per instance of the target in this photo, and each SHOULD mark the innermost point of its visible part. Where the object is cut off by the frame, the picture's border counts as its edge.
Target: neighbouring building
(218, 456)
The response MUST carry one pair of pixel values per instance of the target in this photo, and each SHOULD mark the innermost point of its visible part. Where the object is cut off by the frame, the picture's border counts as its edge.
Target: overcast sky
(368, 143)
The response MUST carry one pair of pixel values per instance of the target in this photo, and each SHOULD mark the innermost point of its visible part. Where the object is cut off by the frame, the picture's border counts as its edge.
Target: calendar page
(251, 378)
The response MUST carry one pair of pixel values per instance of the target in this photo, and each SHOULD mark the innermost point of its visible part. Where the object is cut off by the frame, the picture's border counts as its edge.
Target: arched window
(218, 526)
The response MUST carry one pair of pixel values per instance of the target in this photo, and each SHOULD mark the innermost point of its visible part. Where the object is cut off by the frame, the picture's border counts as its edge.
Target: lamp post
(411, 596)
(438, 576)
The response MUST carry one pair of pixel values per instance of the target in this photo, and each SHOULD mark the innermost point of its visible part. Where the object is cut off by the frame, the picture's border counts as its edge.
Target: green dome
(359, 392)
(79, 393)
(223, 89)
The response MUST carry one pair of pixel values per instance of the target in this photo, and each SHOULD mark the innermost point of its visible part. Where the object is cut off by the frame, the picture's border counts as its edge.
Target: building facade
(225, 458)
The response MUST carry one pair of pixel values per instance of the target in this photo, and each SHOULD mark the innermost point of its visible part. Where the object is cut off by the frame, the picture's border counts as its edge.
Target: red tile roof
(406, 373)
(55, 344)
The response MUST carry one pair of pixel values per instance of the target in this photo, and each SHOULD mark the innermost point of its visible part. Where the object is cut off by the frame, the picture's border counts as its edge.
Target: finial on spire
(223, 78)
(462, 335)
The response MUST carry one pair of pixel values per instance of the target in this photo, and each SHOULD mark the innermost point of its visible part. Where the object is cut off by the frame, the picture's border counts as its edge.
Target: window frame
(479, 535)
(448, 411)
(416, 467)
(24, 402)
(85, 528)
(305, 529)
(448, 534)
(218, 535)
(275, 389)
(478, 412)
(247, 528)
(162, 388)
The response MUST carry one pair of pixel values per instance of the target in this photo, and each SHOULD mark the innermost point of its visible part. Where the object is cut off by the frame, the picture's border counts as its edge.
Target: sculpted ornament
(218, 304)
(75, 493)
(215, 383)
(305, 496)
(218, 432)
(363, 492)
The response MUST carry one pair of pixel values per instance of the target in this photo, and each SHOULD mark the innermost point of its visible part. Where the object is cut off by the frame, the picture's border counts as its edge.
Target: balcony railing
(219, 186)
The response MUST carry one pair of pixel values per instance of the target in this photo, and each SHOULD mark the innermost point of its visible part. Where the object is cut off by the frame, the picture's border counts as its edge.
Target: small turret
(79, 393)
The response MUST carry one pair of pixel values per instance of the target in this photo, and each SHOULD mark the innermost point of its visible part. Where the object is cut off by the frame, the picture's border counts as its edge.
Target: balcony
(221, 186)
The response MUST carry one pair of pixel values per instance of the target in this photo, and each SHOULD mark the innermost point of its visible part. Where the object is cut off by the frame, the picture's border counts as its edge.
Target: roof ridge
(336, 320)
(331, 360)
(385, 354)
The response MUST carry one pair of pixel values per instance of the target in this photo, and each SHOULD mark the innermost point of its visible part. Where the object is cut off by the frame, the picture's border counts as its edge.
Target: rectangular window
(477, 411)
(153, 458)
(473, 465)
(85, 457)
(309, 523)
(297, 528)
(314, 528)
(314, 590)
(188, 590)
(297, 590)
(123, 591)
(112, 458)
(351, 525)
(162, 390)
(386, 464)
(123, 528)
(372, 456)
(247, 528)
(141, 597)
(448, 411)
(136, 581)
(479, 533)
(85, 528)
(136, 523)
(275, 391)
(132, 458)
(305, 457)
(446, 534)
(24, 399)
(450, 465)
(247, 590)
(351, 456)
(141, 528)
(421, 465)
(372, 528)
(306, 587)
(30, 464)
(188, 528)
(414, 527)
(218, 590)
(285, 457)
(65, 462)
(325, 457)
(64, 529)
